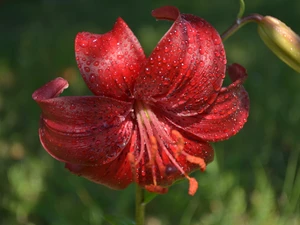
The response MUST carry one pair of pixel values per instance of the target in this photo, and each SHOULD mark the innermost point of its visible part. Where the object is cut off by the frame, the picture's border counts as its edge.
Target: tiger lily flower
(151, 119)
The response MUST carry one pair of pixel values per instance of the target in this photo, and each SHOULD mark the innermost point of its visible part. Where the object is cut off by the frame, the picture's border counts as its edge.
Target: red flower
(151, 119)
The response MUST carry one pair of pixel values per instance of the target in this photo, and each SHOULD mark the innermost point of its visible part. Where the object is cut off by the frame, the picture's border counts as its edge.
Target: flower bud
(282, 40)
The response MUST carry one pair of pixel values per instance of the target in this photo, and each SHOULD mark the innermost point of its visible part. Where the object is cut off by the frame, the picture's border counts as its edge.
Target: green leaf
(149, 196)
(118, 220)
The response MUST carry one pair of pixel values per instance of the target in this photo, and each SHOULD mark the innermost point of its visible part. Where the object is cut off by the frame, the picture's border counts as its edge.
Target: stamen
(159, 129)
(153, 148)
(179, 142)
(132, 165)
(153, 151)
(193, 186)
(142, 133)
(156, 189)
(196, 160)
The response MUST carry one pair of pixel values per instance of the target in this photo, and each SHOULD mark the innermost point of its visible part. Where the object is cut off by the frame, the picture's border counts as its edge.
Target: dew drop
(83, 43)
(201, 63)
(183, 66)
(96, 63)
(88, 63)
(147, 70)
(131, 67)
(201, 51)
(87, 69)
(217, 54)
(217, 41)
(170, 169)
(120, 56)
(92, 78)
(190, 50)
(168, 66)
(151, 60)
(73, 106)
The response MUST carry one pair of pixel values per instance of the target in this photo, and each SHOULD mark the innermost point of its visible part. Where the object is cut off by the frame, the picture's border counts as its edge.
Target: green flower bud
(282, 40)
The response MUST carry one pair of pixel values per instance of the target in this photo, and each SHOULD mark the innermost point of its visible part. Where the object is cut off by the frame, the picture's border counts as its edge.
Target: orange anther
(193, 186)
(156, 189)
(179, 142)
(196, 160)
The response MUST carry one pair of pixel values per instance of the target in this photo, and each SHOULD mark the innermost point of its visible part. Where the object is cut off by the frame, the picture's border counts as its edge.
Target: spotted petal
(109, 63)
(116, 174)
(185, 71)
(82, 130)
(225, 117)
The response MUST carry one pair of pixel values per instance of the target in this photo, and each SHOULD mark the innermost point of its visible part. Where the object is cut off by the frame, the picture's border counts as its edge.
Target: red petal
(185, 71)
(110, 63)
(82, 130)
(116, 174)
(225, 117)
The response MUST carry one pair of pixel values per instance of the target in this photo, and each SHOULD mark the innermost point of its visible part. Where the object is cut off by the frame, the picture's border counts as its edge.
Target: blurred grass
(255, 178)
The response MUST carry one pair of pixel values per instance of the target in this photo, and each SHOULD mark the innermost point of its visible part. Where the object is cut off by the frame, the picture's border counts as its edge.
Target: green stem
(139, 206)
(239, 23)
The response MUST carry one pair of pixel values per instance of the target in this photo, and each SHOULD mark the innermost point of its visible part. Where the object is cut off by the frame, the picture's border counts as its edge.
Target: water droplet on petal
(73, 106)
(201, 51)
(217, 41)
(183, 66)
(83, 43)
(217, 54)
(147, 70)
(201, 63)
(190, 50)
(92, 78)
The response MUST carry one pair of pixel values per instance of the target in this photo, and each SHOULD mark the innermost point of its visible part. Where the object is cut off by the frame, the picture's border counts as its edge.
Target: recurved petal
(110, 62)
(82, 130)
(225, 117)
(115, 174)
(185, 72)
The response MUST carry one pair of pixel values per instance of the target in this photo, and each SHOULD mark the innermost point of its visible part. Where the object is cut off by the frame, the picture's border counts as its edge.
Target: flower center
(159, 145)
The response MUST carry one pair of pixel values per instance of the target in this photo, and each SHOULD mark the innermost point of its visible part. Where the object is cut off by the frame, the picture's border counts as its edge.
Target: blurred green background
(255, 178)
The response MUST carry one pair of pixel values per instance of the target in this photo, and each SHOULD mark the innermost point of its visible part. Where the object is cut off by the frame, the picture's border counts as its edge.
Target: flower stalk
(240, 22)
(140, 205)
